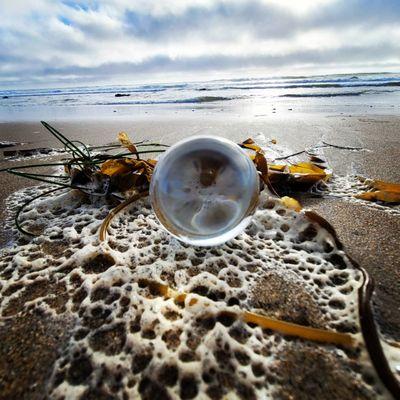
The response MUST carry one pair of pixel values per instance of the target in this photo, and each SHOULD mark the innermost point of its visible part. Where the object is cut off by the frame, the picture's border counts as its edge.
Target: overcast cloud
(50, 43)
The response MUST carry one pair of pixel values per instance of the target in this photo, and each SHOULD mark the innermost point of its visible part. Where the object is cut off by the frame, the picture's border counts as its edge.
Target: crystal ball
(204, 190)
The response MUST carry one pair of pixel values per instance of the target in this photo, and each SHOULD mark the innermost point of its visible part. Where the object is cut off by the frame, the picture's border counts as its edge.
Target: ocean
(249, 97)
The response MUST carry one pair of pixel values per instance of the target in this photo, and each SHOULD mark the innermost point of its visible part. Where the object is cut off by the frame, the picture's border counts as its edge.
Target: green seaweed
(81, 157)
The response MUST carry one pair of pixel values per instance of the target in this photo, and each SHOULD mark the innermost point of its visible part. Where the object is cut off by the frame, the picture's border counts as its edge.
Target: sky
(49, 43)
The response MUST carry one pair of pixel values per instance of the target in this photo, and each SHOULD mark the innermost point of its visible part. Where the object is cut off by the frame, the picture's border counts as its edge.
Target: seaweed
(83, 168)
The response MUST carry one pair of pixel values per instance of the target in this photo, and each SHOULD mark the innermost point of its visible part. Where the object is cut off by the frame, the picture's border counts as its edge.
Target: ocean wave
(306, 86)
(200, 99)
(203, 92)
(92, 90)
(390, 84)
(324, 94)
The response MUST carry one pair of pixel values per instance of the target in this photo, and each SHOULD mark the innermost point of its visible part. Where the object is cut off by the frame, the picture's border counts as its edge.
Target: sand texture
(81, 311)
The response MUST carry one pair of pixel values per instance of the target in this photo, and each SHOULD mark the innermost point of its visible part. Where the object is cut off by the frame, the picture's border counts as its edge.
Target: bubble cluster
(128, 341)
(346, 187)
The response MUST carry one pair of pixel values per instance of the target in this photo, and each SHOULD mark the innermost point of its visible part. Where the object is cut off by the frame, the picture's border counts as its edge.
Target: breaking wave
(200, 99)
(324, 94)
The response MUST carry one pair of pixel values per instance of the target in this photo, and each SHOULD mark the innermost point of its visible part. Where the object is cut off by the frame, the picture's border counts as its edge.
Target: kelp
(291, 203)
(386, 192)
(105, 224)
(300, 176)
(20, 209)
(265, 322)
(101, 174)
(126, 142)
(250, 144)
(93, 173)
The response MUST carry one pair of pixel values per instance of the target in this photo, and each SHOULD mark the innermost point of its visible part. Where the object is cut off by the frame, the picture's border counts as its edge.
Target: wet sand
(370, 236)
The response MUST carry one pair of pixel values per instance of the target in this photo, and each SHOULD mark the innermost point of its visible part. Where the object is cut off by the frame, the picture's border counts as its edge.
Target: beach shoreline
(369, 235)
(140, 259)
(378, 159)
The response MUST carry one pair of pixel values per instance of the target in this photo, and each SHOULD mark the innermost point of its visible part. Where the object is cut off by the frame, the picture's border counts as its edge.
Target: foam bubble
(130, 342)
(346, 187)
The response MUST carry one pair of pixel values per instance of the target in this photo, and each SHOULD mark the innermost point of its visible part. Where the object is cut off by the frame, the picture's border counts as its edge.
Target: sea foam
(127, 342)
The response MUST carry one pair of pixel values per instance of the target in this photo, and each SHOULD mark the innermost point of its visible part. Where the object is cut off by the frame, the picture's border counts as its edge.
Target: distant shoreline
(247, 97)
(370, 236)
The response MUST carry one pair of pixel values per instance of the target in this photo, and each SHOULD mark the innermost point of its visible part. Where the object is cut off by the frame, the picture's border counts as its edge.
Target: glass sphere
(204, 190)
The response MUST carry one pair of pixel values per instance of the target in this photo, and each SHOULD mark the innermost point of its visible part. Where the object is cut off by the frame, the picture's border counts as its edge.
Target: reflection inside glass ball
(204, 189)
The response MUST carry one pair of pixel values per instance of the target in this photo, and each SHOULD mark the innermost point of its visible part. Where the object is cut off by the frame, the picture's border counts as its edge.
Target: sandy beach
(200, 200)
(370, 235)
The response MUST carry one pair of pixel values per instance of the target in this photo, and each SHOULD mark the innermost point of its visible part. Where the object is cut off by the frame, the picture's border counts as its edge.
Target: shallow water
(354, 93)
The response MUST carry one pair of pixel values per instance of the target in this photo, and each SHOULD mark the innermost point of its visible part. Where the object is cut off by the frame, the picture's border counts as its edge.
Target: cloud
(48, 42)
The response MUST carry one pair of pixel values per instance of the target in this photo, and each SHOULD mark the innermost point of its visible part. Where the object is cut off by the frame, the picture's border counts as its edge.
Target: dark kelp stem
(32, 166)
(368, 326)
(104, 226)
(65, 141)
(342, 147)
(38, 178)
(371, 335)
(265, 322)
(19, 227)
